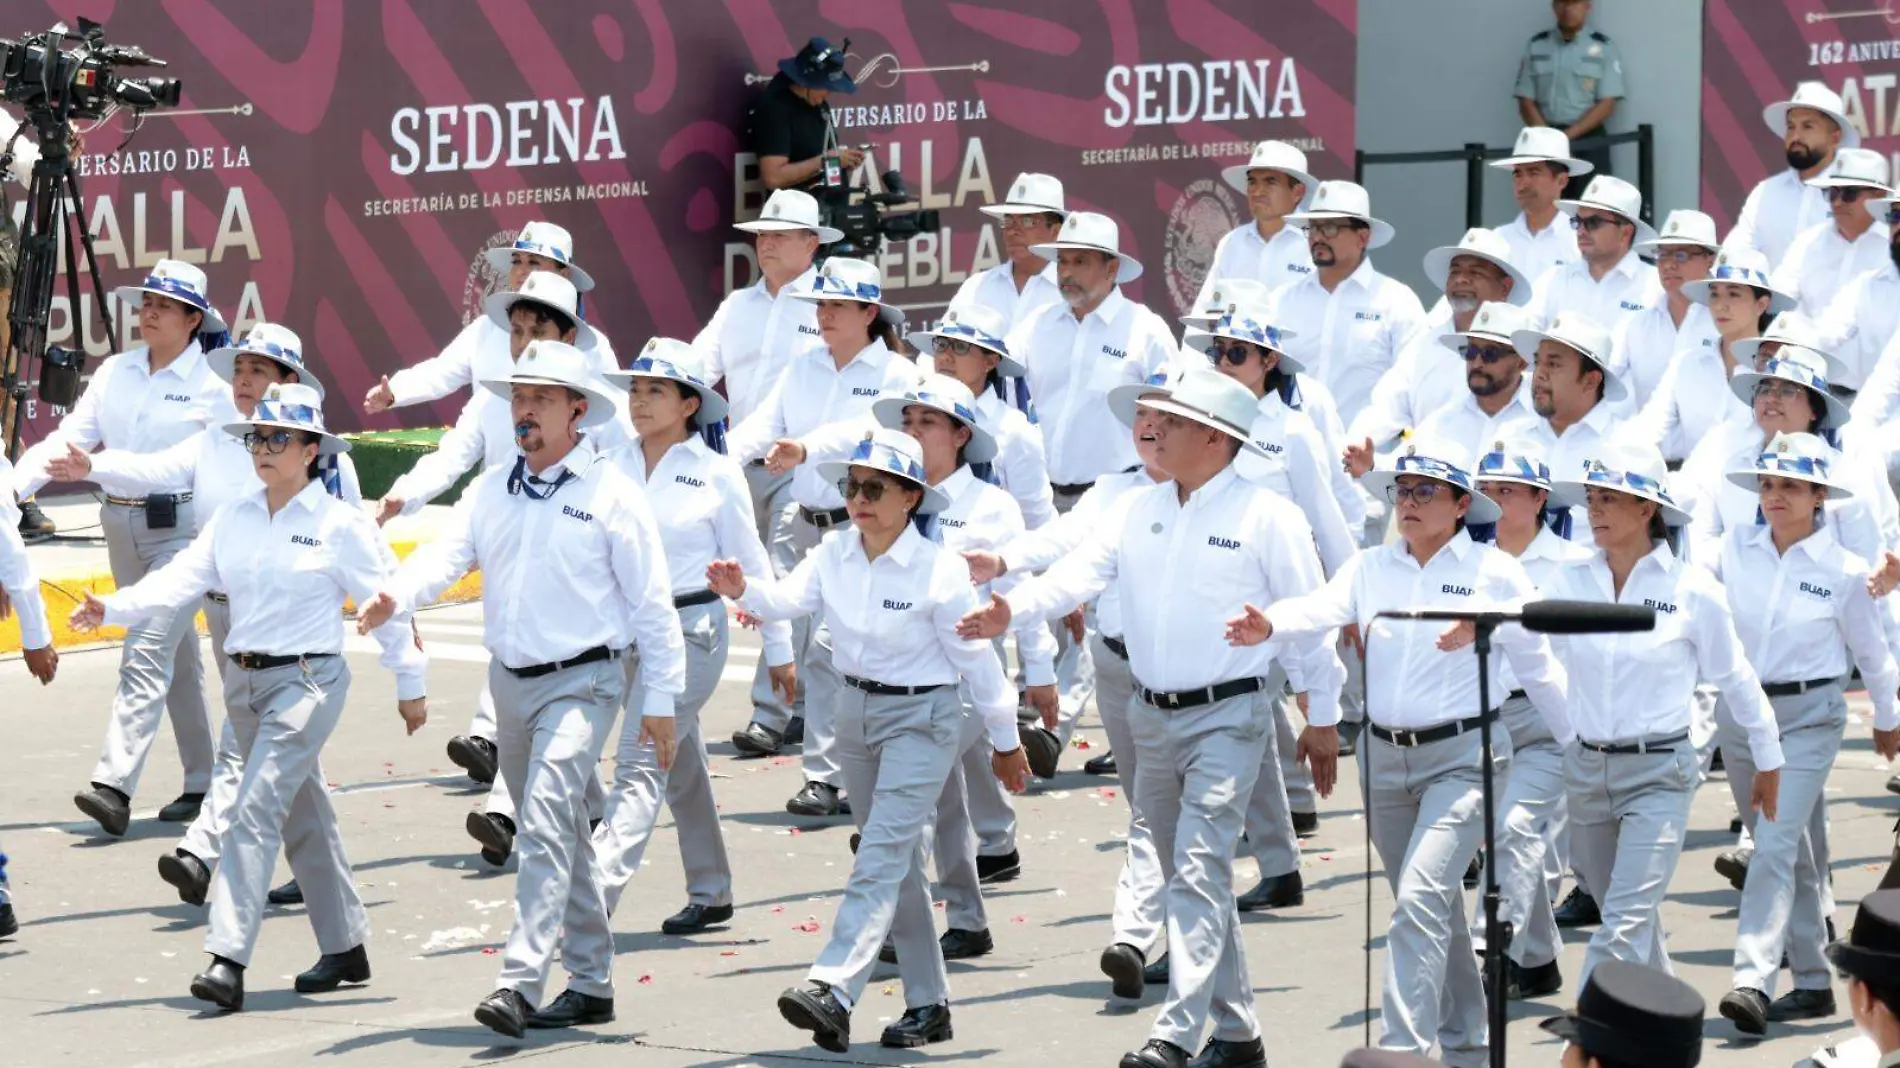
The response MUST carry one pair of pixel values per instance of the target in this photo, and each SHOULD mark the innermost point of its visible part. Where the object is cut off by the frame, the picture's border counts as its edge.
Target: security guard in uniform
(1571, 78)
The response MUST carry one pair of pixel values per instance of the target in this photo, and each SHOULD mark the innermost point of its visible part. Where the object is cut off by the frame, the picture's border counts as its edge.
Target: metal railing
(1474, 155)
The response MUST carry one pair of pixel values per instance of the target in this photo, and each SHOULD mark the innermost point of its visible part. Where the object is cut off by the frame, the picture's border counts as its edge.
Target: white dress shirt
(126, 405)
(16, 573)
(703, 507)
(894, 619)
(481, 352)
(996, 288)
(1800, 613)
(213, 462)
(583, 568)
(1410, 683)
(1185, 569)
(1427, 378)
(983, 517)
(1534, 253)
(1020, 466)
(1692, 400)
(1625, 289)
(1877, 409)
(1469, 425)
(1631, 686)
(1646, 343)
(1103, 507)
(1779, 207)
(825, 407)
(1821, 264)
(483, 438)
(1297, 468)
(1352, 336)
(1581, 442)
(1862, 321)
(1542, 559)
(287, 576)
(1072, 365)
(1318, 404)
(1276, 262)
(754, 336)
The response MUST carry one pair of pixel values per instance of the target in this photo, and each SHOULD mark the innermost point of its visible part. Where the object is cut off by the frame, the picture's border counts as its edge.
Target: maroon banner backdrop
(1753, 53)
(340, 165)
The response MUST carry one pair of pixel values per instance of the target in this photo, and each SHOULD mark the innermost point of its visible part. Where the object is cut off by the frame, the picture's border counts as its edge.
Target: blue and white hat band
(542, 248)
(831, 286)
(256, 346)
(872, 453)
(647, 365)
(1642, 485)
(1740, 275)
(1781, 463)
(1430, 468)
(970, 333)
(1240, 327)
(1794, 371)
(1503, 466)
(275, 411)
(178, 289)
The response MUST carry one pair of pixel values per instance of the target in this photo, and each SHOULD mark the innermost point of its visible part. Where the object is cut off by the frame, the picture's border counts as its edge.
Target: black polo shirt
(780, 124)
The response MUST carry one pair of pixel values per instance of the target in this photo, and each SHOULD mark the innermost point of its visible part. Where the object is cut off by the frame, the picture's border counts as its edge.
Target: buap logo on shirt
(1109, 350)
(688, 480)
(1461, 591)
(897, 606)
(1219, 542)
(181, 398)
(1368, 317)
(1660, 606)
(305, 540)
(585, 517)
(1812, 590)
(862, 391)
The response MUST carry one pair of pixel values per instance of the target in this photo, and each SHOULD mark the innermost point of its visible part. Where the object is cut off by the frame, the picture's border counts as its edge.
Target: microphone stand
(1497, 933)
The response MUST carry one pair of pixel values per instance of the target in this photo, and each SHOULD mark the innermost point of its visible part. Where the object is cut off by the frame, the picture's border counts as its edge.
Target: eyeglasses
(1332, 227)
(1590, 223)
(1488, 354)
(1422, 492)
(1849, 194)
(953, 346)
(1780, 390)
(1027, 221)
(871, 489)
(274, 443)
(1234, 352)
(1683, 255)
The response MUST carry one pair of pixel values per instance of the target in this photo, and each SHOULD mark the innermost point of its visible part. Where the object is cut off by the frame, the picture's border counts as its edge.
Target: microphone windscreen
(1586, 617)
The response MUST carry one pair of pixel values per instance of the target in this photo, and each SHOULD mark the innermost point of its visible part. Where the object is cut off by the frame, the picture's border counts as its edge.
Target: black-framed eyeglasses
(1849, 194)
(1421, 492)
(1683, 255)
(1487, 354)
(1234, 352)
(1332, 227)
(274, 442)
(871, 489)
(1591, 222)
(1030, 220)
(953, 346)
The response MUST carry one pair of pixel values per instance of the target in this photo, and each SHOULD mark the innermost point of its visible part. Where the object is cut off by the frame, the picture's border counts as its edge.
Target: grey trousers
(640, 784)
(1075, 662)
(769, 494)
(501, 800)
(552, 732)
(1426, 806)
(1270, 837)
(792, 539)
(1785, 902)
(1628, 815)
(204, 838)
(1530, 808)
(955, 844)
(1140, 915)
(1196, 767)
(160, 671)
(282, 717)
(894, 755)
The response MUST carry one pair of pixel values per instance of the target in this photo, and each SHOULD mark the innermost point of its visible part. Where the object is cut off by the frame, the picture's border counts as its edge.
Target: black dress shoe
(183, 809)
(1275, 892)
(1715, 762)
(1156, 1054)
(1122, 964)
(333, 970)
(1042, 747)
(9, 923)
(288, 894)
(816, 799)
(1156, 974)
(887, 952)
(1803, 1005)
(695, 918)
(505, 1011)
(111, 809)
(1748, 1007)
(1001, 869)
(919, 1027)
(1735, 825)
(1220, 1053)
(795, 731)
(1473, 870)
(475, 756)
(1524, 983)
(1105, 765)
(187, 873)
(1733, 866)
(572, 1009)
(222, 984)
(856, 838)
(34, 525)
(495, 832)
(757, 740)
(813, 1007)
(1578, 910)
(959, 944)
(1306, 824)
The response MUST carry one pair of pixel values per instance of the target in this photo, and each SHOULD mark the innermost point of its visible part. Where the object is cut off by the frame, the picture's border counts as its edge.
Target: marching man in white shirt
(1827, 257)
(1186, 555)
(1541, 167)
(1860, 324)
(575, 573)
(1030, 216)
(1608, 281)
(1573, 390)
(1646, 343)
(1813, 127)
(1497, 398)
(1265, 248)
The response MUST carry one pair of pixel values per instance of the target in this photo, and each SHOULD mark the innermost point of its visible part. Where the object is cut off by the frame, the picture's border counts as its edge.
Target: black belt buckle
(161, 511)
(247, 661)
(1116, 646)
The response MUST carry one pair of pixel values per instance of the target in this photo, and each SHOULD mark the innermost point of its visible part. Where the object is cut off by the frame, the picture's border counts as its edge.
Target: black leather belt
(139, 502)
(1660, 745)
(1116, 646)
(591, 656)
(886, 690)
(697, 597)
(1413, 739)
(824, 520)
(1073, 489)
(217, 598)
(1207, 695)
(265, 661)
(1516, 695)
(1789, 689)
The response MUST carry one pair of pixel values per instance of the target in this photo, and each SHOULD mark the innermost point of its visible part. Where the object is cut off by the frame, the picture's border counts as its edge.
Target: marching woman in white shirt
(218, 468)
(1633, 771)
(143, 400)
(1423, 762)
(287, 555)
(832, 389)
(1802, 609)
(704, 509)
(892, 599)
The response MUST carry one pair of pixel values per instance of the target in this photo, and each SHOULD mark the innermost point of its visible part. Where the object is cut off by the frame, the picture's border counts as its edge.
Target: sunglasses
(1591, 223)
(1488, 354)
(1421, 492)
(871, 489)
(1234, 352)
(1849, 194)
(274, 443)
(1683, 255)
(1333, 227)
(954, 347)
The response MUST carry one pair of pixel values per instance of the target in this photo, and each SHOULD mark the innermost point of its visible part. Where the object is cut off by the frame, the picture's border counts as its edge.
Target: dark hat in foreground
(1871, 950)
(1635, 1015)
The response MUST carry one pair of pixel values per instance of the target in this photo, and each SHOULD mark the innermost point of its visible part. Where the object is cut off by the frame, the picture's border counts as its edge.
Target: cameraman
(790, 127)
(24, 148)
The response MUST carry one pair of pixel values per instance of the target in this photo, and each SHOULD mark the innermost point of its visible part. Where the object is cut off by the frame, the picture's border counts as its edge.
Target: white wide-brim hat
(675, 361)
(1122, 399)
(977, 324)
(278, 344)
(547, 289)
(548, 241)
(1518, 459)
(1790, 329)
(1606, 192)
(556, 363)
(1344, 200)
(179, 281)
(1274, 156)
(1741, 267)
(1795, 365)
(890, 452)
(1486, 245)
(1493, 321)
(1030, 194)
(943, 394)
(1815, 97)
(845, 278)
(1798, 456)
(1440, 460)
(1856, 168)
(1092, 232)
(290, 406)
(1544, 144)
(1685, 226)
(1582, 335)
(1205, 396)
(1224, 296)
(1626, 467)
(790, 209)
